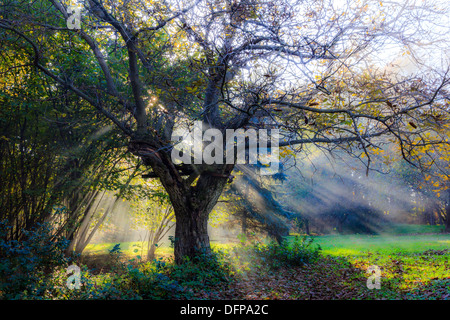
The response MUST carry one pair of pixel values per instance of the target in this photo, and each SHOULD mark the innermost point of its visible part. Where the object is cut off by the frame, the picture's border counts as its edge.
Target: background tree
(151, 210)
(51, 150)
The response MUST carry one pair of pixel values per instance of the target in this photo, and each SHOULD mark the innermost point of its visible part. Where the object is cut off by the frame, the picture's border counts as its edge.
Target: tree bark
(192, 208)
(151, 252)
(307, 227)
(191, 234)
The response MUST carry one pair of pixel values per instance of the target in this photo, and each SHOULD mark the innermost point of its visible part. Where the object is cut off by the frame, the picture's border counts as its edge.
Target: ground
(414, 264)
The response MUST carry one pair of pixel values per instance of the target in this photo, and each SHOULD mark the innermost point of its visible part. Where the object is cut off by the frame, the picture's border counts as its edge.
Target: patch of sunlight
(341, 252)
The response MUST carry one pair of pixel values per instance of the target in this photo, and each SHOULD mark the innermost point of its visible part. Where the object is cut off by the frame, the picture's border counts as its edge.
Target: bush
(151, 283)
(36, 268)
(205, 271)
(160, 279)
(287, 254)
(26, 265)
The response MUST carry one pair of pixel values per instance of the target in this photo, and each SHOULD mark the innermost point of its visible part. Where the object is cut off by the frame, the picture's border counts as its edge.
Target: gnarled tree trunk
(193, 192)
(192, 213)
(191, 233)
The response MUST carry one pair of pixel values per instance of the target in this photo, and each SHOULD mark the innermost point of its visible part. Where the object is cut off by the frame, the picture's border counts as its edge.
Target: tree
(430, 179)
(150, 66)
(50, 150)
(157, 217)
(151, 210)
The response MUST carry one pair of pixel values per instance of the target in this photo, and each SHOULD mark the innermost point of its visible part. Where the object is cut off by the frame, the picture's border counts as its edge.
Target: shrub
(26, 265)
(149, 282)
(36, 268)
(206, 270)
(287, 254)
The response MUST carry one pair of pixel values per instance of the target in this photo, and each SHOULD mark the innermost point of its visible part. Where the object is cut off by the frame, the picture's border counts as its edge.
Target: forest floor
(423, 276)
(411, 267)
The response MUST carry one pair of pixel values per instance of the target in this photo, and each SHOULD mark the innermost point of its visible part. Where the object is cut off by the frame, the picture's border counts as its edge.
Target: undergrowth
(36, 268)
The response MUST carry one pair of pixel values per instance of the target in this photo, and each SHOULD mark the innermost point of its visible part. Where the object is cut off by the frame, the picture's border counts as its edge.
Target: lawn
(400, 238)
(415, 266)
(363, 245)
(130, 249)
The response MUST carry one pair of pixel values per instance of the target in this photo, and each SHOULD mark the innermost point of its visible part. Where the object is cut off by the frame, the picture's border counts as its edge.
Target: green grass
(363, 245)
(400, 238)
(412, 266)
(138, 248)
(127, 248)
(400, 229)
